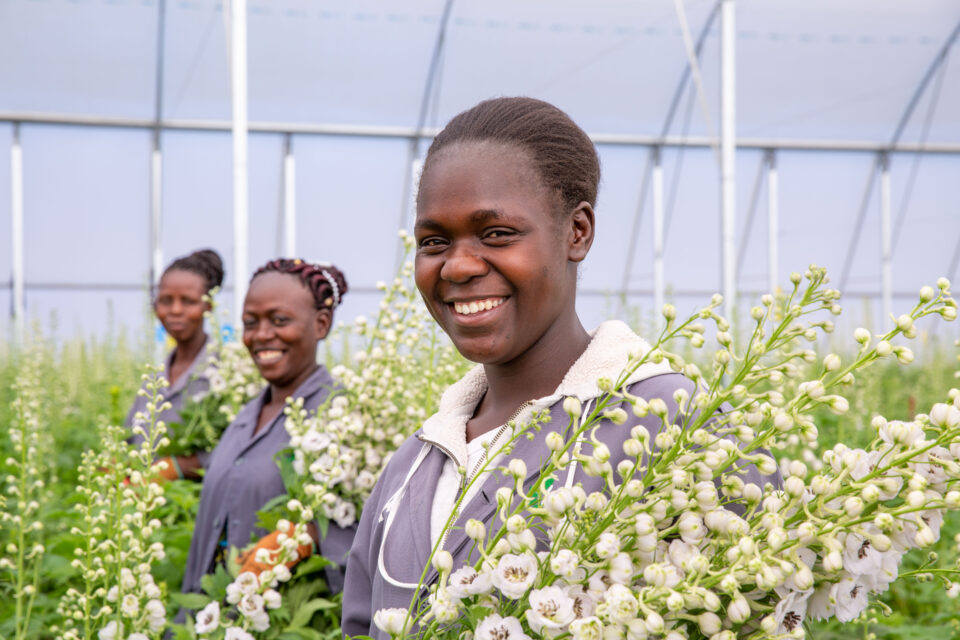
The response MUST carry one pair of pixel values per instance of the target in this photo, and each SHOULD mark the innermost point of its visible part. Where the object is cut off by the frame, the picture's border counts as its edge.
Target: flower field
(864, 429)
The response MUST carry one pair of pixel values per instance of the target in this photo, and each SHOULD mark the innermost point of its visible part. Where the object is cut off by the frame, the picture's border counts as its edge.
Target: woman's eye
(280, 320)
(498, 234)
(431, 242)
(249, 324)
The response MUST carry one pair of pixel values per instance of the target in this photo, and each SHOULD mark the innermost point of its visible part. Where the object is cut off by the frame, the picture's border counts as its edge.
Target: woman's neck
(281, 391)
(535, 374)
(187, 351)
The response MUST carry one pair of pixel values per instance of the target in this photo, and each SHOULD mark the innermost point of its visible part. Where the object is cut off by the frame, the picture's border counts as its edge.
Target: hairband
(333, 284)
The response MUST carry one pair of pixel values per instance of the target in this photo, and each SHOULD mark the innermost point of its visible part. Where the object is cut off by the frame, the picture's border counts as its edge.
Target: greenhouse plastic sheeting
(814, 71)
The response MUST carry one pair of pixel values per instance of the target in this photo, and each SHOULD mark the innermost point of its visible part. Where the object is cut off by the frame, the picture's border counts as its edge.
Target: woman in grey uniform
(287, 311)
(504, 218)
(180, 306)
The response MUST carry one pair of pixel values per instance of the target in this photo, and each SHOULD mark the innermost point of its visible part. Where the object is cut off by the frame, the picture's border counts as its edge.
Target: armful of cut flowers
(683, 542)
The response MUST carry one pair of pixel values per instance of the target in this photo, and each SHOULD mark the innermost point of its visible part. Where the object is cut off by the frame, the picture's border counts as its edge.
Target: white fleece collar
(610, 348)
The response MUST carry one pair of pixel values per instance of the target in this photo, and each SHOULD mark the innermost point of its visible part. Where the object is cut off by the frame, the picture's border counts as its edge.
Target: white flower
(137, 636)
(314, 442)
(344, 514)
(272, 599)
(515, 574)
(851, 598)
(443, 608)
(208, 619)
(859, 558)
(493, 627)
(245, 584)
(467, 582)
(622, 605)
(791, 610)
(112, 631)
(583, 605)
(236, 633)
(621, 568)
(156, 614)
(550, 608)
(251, 606)
(608, 545)
(565, 563)
(390, 621)
(587, 629)
(130, 605)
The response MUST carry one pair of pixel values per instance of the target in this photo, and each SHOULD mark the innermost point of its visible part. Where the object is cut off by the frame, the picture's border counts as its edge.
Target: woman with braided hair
(288, 310)
(180, 306)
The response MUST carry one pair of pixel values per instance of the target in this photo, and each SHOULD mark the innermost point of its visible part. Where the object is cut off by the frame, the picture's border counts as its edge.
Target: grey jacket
(392, 545)
(242, 476)
(189, 384)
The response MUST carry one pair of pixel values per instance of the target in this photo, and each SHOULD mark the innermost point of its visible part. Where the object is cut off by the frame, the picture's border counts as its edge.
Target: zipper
(483, 458)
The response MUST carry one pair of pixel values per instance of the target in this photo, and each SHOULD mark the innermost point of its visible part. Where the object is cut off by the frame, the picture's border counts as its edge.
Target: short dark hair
(327, 283)
(206, 263)
(562, 153)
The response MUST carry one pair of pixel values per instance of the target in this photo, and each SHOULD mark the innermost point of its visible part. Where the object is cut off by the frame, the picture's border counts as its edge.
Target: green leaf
(193, 601)
(306, 611)
(301, 633)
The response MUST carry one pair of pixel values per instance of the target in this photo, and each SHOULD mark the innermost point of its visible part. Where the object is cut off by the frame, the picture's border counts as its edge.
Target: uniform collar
(611, 346)
(318, 381)
(184, 379)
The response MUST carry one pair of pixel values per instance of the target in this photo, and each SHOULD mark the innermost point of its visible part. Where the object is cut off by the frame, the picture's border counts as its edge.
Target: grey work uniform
(191, 383)
(242, 476)
(389, 554)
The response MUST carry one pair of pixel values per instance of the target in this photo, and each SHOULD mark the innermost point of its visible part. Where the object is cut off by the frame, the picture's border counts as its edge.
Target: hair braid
(323, 280)
(206, 263)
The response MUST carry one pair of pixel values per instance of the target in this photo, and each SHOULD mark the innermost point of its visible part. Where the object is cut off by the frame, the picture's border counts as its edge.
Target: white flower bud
(616, 416)
(831, 362)
(884, 348)
(862, 336)
(443, 561)
(572, 407)
(555, 441)
(517, 468)
(794, 486)
(833, 561)
(739, 609)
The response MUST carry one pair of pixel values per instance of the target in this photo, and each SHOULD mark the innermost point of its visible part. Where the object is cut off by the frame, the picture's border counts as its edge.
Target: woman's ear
(581, 228)
(323, 320)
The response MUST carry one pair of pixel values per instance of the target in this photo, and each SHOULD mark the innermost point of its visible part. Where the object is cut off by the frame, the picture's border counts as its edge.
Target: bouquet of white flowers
(676, 545)
(234, 381)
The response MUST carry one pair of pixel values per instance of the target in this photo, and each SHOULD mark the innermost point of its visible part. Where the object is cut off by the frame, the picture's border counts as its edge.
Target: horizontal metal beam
(378, 131)
(698, 293)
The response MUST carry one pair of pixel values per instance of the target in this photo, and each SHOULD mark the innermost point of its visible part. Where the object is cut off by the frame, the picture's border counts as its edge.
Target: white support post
(289, 199)
(728, 151)
(238, 59)
(658, 280)
(16, 210)
(156, 216)
(773, 222)
(886, 238)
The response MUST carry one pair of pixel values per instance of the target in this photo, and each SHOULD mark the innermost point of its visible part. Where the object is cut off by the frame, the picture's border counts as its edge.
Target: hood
(611, 346)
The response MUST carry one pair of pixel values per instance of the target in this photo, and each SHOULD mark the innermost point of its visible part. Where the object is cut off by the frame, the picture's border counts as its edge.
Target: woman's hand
(176, 468)
(248, 559)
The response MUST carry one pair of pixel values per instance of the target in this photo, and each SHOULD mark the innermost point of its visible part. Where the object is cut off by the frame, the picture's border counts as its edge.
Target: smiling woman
(505, 215)
(288, 309)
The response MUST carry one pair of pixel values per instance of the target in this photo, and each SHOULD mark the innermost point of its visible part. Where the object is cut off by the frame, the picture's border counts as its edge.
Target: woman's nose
(463, 264)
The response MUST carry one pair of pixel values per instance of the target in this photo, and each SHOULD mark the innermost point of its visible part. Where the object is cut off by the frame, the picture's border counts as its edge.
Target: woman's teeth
(269, 356)
(475, 306)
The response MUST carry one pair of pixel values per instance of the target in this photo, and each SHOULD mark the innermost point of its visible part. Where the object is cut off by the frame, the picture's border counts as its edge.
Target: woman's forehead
(480, 176)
